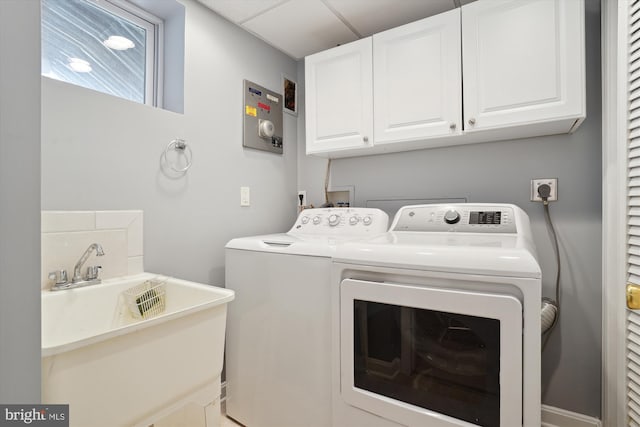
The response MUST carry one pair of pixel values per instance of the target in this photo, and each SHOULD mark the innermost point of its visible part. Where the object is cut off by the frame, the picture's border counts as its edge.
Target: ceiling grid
(303, 27)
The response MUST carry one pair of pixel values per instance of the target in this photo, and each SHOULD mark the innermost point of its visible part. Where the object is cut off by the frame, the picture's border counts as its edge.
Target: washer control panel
(341, 221)
(462, 217)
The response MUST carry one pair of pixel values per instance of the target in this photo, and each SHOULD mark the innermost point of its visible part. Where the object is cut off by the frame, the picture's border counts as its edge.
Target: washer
(437, 322)
(278, 350)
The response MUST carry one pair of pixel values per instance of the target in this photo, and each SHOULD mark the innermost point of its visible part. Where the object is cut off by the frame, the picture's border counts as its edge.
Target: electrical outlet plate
(551, 182)
(304, 198)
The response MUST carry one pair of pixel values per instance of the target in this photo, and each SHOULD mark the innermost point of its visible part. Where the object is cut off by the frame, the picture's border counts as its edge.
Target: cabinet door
(339, 109)
(417, 80)
(523, 62)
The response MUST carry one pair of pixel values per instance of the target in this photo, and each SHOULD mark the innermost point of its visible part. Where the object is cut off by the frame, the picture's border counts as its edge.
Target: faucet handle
(59, 276)
(93, 272)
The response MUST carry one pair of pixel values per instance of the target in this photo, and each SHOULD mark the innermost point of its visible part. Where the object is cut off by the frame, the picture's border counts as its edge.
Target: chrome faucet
(92, 272)
(91, 277)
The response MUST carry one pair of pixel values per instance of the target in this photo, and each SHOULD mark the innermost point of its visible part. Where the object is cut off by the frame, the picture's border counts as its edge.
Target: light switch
(245, 196)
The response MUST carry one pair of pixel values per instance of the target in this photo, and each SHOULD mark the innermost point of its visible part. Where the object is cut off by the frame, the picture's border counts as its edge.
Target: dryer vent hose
(548, 314)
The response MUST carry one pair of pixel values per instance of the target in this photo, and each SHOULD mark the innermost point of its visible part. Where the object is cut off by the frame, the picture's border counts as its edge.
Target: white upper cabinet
(490, 70)
(523, 64)
(417, 80)
(339, 104)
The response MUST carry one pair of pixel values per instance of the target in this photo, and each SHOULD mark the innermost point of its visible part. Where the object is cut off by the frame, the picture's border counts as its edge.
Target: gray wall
(19, 201)
(101, 152)
(501, 172)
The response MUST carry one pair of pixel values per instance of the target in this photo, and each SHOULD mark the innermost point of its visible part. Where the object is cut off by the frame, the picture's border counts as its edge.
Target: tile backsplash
(67, 234)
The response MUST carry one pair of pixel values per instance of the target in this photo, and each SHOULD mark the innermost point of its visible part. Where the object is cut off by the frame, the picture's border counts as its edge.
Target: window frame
(154, 28)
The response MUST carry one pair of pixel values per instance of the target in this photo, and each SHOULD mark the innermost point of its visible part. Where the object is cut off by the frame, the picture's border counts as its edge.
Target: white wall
(19, 201)
(100, 152)
(501, 172)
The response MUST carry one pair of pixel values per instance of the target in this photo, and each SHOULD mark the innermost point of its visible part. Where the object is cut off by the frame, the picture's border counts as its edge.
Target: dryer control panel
(461, 217)
(341, 221)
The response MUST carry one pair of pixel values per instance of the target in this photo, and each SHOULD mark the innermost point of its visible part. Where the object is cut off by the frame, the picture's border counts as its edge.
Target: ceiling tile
(240, 10)
(368, 17)
(300, 27)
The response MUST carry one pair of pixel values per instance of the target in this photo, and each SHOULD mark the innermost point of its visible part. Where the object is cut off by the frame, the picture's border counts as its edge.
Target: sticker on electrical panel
(251, 111)
(272, 98)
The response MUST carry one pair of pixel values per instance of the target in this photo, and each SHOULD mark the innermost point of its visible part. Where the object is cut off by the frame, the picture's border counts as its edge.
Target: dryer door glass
(431, 356)
(445, 362)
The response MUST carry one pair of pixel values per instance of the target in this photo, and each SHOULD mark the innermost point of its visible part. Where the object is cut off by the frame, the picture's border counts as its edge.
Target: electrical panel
(262, 118)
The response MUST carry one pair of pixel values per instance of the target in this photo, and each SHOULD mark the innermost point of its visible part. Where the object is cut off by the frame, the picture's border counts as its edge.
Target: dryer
(437, 322)
(278, 347)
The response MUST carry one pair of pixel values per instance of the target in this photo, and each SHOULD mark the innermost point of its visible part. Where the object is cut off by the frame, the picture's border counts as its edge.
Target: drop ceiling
(302, 27)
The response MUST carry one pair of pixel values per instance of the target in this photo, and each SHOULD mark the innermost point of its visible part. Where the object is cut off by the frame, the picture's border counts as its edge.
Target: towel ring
(181, 146)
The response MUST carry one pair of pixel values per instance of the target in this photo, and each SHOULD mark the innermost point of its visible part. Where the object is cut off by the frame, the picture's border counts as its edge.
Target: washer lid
(285, 243)
(469, 253)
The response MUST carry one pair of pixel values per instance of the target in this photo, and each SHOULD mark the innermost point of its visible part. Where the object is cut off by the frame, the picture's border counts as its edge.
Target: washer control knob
(354, 220)
(367, 220)
(304, 220)
(316, 220)
(451, 217)
(334, 220)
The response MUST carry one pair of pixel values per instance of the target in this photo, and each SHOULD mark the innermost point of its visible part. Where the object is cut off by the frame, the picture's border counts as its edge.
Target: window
(109, 46)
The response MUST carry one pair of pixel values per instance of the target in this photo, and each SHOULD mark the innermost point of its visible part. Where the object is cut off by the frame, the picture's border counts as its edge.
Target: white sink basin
(95, 355)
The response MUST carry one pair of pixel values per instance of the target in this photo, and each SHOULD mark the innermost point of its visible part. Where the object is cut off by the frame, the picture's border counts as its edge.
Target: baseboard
(556, 417)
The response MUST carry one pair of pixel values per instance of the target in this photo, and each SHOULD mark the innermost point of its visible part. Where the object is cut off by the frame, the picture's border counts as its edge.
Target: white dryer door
(425, 356)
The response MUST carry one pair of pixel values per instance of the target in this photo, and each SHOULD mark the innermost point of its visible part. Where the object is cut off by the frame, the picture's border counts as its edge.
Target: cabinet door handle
(452, 126)
(365, 138)
(472, 121)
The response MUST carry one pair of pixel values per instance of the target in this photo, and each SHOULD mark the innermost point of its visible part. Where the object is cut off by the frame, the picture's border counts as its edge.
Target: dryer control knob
(316, 220)
(354, 220)
(367, 220)
(334, 220)
(451, 217)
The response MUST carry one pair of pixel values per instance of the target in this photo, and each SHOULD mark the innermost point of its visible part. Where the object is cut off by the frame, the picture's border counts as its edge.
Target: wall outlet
(302, 193)
(551, 182)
